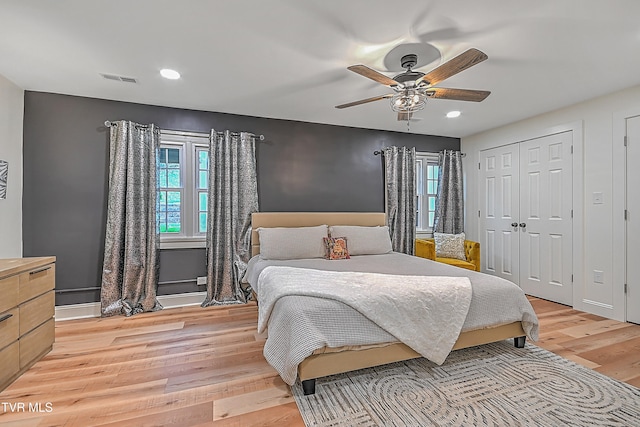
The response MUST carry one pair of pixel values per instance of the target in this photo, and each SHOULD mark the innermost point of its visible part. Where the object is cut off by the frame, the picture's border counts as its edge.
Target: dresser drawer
(36, 282)
(9, 293)
(36, 311)
(9, 327)
(36, 343)
(10, 362)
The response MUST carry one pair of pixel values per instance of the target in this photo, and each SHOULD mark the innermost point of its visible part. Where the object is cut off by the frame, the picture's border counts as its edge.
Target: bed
(484, 323)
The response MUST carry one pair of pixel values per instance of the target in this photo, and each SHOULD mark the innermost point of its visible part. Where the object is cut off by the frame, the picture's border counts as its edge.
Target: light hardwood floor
(194, 367)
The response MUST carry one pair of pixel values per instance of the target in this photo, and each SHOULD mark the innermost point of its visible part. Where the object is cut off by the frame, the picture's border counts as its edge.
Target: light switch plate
(598, 276)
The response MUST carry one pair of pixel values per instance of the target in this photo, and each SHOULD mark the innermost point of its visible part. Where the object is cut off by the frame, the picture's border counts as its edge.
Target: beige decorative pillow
(450, 245)
(292, 242)
(364, 240)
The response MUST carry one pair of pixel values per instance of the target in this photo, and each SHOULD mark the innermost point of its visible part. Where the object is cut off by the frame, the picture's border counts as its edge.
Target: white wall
(11, 121)
(599, 158)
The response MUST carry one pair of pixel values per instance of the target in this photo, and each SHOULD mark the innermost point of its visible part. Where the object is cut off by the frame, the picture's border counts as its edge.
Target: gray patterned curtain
(449, 215)
(400, 197)
(233, 197)
(130, 268)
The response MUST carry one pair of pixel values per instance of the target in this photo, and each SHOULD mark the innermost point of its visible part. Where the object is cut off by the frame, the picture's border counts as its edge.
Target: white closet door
(545, 217)
(633, 220)
(499, 184)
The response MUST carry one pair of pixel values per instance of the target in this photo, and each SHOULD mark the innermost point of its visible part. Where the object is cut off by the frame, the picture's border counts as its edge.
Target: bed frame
(320, 365)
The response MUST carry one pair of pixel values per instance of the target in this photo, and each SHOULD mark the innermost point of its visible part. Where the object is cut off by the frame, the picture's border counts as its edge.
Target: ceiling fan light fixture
(412, 88)
(408, 101)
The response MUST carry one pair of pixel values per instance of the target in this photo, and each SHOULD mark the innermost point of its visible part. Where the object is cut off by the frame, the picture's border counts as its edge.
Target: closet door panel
(633, 221)
(545, 217)
(499, 205)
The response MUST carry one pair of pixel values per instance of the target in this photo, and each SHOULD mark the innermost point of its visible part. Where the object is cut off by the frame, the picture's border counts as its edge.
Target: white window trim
(189, 236)
(427, 157)
(182, 243)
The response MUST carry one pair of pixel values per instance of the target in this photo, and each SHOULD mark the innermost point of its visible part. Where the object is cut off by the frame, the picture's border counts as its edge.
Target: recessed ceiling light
(168, 73)
(452, 114)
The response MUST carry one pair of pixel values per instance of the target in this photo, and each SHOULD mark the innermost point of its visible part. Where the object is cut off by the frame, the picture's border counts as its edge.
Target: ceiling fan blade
(452, 67)
(364, 101)
(457, 94)
(365, 71)
(404, 116)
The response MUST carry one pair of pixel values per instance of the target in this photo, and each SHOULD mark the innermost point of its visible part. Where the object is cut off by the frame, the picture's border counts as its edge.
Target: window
(171, 189)
(183, 174)
(426, 190)
(202, 154)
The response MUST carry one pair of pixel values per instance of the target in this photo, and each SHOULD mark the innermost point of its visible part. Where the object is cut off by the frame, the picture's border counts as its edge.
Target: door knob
(514, 224)
(523, 224)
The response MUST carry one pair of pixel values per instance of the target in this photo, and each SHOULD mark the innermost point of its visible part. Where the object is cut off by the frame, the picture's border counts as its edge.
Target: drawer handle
(40, 270)
(5, 317)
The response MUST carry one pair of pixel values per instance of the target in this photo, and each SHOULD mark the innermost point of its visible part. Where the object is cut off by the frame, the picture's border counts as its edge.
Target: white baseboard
(182, 300)
(77, 311)
(92, 309)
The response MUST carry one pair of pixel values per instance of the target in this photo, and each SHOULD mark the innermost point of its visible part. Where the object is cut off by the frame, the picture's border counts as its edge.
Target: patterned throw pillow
(335, 248)
(450, 245)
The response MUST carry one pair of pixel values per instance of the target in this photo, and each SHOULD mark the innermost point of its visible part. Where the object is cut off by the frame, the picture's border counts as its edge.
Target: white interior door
(499, 182)
(545, 217)
(633, 220)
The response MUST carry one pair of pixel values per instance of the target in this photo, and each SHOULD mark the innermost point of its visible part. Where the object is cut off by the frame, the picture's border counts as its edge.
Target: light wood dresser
(27, 307)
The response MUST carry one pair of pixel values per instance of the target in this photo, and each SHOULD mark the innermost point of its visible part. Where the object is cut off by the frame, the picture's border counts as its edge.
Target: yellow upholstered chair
(426, 248)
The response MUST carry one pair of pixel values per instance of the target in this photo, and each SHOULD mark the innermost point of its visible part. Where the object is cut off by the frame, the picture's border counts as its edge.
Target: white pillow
(364, 240)
(450, 245)
(292, 242)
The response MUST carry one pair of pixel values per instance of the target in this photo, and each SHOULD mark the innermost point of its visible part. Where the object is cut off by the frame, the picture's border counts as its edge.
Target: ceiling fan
(412, 88)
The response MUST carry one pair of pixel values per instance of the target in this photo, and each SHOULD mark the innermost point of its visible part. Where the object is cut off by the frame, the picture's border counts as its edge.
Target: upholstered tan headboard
(309, 219)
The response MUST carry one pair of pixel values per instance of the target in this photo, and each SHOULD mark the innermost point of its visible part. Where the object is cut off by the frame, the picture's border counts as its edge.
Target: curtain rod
(375, 153)
(107, 123)
(260, 137)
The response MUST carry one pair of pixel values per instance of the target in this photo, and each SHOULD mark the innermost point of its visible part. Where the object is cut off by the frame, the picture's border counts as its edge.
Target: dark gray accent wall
(301, 167)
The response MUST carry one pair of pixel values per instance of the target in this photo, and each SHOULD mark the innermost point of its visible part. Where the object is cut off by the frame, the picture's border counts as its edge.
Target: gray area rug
(490, 385)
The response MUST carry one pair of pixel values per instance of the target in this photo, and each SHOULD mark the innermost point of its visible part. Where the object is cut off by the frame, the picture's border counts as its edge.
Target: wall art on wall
(4, 174)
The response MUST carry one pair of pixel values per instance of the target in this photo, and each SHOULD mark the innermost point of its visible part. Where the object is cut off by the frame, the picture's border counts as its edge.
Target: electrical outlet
(598, 198)
(201, 280)
(598, 276)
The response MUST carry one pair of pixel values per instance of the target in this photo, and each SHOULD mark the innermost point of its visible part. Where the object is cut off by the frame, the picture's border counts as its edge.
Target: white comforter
(424, 312)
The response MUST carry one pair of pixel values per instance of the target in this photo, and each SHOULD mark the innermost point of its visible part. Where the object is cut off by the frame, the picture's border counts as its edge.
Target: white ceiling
(287, 59)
